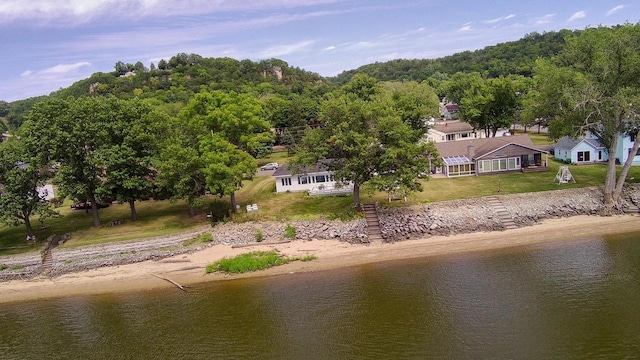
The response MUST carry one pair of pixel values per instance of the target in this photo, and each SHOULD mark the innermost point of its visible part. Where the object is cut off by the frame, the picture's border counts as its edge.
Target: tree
(128, 161)
(71, 133)
(180, 171)
(20, 175)
(413, 102)
(596, 82)
(486, 104)
(238, 117)
(225, 166)
(364, 141)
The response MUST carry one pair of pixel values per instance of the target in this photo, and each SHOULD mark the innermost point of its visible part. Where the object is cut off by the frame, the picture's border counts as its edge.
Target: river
(565, 300)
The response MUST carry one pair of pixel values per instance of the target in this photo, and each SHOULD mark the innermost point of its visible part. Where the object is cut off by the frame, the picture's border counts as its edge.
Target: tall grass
(252, 261)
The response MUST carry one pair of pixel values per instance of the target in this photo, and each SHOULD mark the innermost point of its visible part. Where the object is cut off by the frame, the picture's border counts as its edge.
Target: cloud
(58, 72)
(577, 16)
(615, 10)
(287, 49)
(501, 18)
(82, 11)
(465, 27)
(64, 68)
(543, 19)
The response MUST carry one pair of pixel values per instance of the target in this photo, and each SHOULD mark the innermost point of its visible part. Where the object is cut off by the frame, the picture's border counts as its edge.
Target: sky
(49, 44)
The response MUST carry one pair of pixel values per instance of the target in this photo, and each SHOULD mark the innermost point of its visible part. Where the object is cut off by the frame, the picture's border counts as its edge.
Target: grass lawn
(163, 217)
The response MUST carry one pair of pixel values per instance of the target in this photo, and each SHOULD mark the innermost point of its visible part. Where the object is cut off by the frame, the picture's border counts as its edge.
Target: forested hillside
(171, 84)
(510, 58)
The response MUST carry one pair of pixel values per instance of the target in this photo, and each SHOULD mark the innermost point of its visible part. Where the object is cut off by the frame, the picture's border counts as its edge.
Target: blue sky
(49, 44)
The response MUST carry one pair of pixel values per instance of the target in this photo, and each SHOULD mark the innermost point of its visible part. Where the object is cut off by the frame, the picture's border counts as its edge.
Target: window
(451, 137)
(584, 156)
(303, 180)
(464, 135)
(514, 163)
(321, 178)
(286, 181)
(484, 166)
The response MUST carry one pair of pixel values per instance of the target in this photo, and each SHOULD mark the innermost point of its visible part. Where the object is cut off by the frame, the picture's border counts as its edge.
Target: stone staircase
(47, 261)
(373, 224)
(502, 212)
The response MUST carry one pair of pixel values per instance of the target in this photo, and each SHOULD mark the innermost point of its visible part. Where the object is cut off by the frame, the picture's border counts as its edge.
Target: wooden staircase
(503, 214)
(373, 224)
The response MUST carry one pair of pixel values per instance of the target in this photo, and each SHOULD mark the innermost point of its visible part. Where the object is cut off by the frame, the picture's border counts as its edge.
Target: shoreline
(188, 269)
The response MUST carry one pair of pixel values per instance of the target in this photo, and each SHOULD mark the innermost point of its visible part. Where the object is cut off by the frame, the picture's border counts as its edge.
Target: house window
(451, 137)
(303, 180)
(286, 181)
(499, 165)
(484, 166)
(600, 155)
(464, 135)
(321, 178)
(584, 156)
(514, 163)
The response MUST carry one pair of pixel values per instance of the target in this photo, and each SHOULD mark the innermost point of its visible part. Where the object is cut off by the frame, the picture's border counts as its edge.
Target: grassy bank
(253, 261)
(158, 218)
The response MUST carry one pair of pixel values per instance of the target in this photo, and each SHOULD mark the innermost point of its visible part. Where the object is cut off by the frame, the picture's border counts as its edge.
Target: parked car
(270, 166)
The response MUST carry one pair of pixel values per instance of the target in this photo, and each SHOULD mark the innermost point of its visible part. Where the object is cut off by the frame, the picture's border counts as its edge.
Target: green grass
(252, 261)
(157, 218)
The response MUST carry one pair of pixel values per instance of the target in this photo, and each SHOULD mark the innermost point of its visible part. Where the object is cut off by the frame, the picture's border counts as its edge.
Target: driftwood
(171, 281)
(260, 243)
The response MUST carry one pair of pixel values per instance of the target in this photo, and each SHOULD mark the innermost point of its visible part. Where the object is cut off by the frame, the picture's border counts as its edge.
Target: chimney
(471, 152)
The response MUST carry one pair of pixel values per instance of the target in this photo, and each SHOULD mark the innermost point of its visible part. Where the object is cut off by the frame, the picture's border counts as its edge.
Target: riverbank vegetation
(253, 261)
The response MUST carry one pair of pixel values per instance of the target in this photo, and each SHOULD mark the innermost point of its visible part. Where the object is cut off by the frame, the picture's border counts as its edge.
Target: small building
(490, 156)
(316, 180)
(580, 151)
(450, 111)
(588, 150)
(454, 130)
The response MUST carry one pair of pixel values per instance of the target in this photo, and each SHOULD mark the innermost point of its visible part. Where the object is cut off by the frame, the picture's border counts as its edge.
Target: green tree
(603, 95)
(363, 141)
(128, 161)
(413, 102)
(72, 133)
(486, 104)
(225, 166)
(238, 117)
(20, 175)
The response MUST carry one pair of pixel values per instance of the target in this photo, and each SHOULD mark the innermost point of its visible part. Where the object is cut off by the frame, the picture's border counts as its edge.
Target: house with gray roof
(493, 155)
(586, 150)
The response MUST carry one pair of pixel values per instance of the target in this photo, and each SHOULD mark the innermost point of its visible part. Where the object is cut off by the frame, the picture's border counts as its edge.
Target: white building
(317, 181)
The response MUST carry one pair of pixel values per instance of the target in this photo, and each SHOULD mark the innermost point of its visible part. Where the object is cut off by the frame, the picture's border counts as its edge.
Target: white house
(580, 151)
(589, 149)
(317, 180)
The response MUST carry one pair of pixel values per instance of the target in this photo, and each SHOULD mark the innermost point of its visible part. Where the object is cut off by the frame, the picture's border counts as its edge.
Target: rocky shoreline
(396, 224)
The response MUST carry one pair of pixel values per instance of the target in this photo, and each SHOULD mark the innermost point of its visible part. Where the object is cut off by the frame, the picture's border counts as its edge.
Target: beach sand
(189, 269)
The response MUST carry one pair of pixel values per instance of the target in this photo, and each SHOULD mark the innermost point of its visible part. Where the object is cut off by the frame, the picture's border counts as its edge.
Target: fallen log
(171, 281)
(259, 243)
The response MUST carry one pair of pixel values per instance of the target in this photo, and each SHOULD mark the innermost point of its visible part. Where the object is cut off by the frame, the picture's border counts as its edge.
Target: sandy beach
(189, 269)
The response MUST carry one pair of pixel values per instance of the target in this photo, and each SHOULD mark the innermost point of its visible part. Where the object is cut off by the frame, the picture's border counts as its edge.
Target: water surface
(577, 299)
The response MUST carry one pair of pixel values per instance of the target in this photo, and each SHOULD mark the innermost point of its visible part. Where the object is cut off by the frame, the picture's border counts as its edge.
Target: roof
(485, 146)
(450, 127)
(284, 170)
(570, 143)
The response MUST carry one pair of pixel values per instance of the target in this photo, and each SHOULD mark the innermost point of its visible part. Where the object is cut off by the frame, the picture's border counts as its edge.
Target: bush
(290, 232)
(256, 260)
(258, 236)
(2, 267)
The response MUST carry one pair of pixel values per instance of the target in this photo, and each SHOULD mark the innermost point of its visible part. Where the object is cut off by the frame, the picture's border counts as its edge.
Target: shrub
(258, 235)
(2, 267)
(17, 267)
(206, 237)
(290, 232)
(256, 260)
